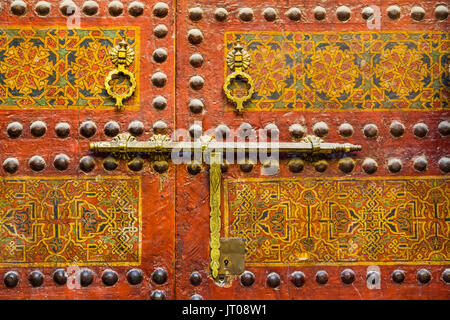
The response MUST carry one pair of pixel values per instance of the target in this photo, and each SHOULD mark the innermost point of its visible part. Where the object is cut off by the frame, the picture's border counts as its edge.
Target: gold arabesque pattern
(333, 221)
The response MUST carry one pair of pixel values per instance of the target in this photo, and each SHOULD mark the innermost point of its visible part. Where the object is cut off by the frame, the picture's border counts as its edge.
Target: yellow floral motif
(325, 226)
(401, 70)
(333, 71)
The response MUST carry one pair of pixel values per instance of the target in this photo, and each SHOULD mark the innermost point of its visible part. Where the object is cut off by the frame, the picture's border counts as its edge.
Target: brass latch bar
(124, 146)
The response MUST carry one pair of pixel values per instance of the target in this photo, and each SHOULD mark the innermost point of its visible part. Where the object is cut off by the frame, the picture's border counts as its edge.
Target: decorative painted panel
(338, 71)
(60, 68)
(63, 221)
(340, 221)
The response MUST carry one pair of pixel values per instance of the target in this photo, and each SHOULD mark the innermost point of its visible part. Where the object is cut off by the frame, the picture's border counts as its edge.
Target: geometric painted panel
(62, 221)
(62, 68)
(347, 70)
(334, 221)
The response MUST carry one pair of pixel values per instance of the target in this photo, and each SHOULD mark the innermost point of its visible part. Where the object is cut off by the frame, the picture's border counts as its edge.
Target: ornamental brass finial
(122, 56)
(238, 60)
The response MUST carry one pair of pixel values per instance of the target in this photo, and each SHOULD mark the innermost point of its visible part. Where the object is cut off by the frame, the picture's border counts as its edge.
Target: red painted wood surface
(176, 206)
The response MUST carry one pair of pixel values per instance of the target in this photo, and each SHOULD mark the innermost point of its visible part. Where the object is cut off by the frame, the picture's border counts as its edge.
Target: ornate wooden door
(224, 150)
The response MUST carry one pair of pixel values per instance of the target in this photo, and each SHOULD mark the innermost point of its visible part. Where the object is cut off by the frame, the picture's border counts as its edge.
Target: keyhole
(225, 262)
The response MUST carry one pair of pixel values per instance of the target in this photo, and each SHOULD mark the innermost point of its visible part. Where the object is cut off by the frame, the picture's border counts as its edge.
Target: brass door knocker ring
(122, 56)
(238, 60)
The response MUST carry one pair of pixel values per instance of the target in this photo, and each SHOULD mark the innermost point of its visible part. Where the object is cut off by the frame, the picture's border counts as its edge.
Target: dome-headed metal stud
(160, 127)
(441, 12)
(11, 279)
(247, 166)
(68, 7)
(86, 277)
(195, 131)
(398, 276)
(222, 132)
(321, 129)
(367, 13)
(272, 131)
(420, 130)
(159, 103)
(444, 128)
(246, 14)
(348, 276)
(196, 297)
(135, 276)
(110, 163)
(319, 13)
(136, 164)
(14, 129)
(345, 130)
(423, 276)
(195, 36)
(18, 7)
(321, 277)
(159, 79)
(158, 295)
(195, 14)
(296, 165)
(321, 165)
(394, 165)
(196, 60)
(194, 168)
(36, 163)
(420, 163)
(42, 8)
(294, 14)
(87, 163)
(373, 277)
(36, 278)
(136, 8)
(444, 164)
(160, 166)
(346, 165)
(61, 162)
(10, 165)
(160, 10)
(88, 129)
(90, 8)
(396, 129)
(159, 276)
(417, 13)
(60, 277)
(245, 130)
(136, 128)
(370, 130)
(109, 277)
(160, 31)
(111, 129)
(38, 128)
(196, 105)
(115, 8)
(297, 131)
(195, 278)
(369, 165)
(298, 278)
(160, 55)
(446, 275)
(343, 13)
(270, 14)
(273, 280)
(394, 12)
(247, 278)
(62, 129)
(196, 82)
(221, 14)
